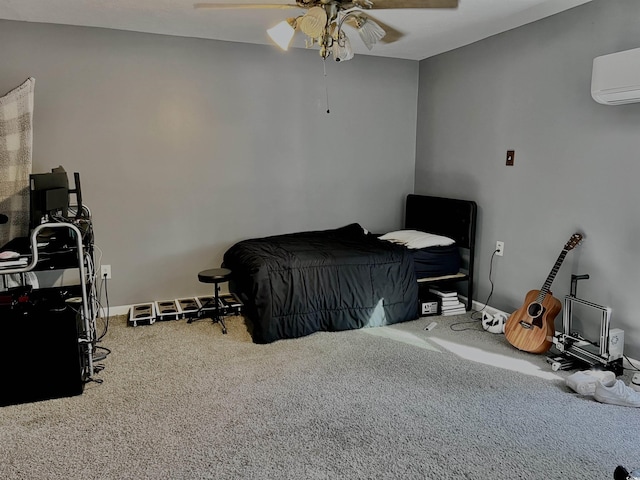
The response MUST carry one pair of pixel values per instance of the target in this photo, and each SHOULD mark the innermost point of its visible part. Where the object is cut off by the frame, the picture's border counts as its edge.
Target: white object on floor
(493, 323)
(635, 382)
(584, 382)
(431, 326)
(616, 393)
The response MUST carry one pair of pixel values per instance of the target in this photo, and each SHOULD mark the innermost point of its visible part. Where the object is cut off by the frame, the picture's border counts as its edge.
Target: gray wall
(577, 162)
(186, 146)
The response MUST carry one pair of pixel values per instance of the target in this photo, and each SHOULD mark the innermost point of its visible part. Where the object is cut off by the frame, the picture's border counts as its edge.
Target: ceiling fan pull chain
(326, 86)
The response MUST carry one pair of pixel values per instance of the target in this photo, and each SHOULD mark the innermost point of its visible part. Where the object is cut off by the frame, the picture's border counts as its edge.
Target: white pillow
(416, 239)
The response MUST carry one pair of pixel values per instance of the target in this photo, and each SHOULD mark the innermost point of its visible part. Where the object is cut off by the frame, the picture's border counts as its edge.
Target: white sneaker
(635, 382)
(616, 393)
(584, 382)
(493, 324)
(605, 376)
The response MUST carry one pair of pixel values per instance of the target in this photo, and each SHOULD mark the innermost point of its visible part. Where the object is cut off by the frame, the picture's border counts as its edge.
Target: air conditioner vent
(615, 78)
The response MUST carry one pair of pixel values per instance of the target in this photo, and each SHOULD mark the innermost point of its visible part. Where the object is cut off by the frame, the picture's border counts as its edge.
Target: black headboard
(450, 217)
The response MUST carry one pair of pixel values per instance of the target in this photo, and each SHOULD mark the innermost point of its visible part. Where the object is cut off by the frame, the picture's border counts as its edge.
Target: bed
(296, 284)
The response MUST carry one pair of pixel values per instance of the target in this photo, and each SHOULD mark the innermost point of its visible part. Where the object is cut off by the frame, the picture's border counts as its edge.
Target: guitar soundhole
(534, 310)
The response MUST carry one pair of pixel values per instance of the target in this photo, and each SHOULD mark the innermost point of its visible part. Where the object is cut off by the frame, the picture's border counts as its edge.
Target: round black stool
(215, 276)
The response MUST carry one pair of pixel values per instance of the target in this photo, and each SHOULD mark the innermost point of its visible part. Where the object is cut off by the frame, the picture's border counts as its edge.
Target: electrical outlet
(499, 249)
(105, 271)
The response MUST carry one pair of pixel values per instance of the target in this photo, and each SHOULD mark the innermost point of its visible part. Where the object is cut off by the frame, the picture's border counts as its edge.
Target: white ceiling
(426, 32)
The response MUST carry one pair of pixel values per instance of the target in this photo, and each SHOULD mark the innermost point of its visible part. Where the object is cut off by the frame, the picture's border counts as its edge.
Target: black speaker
(39, 351)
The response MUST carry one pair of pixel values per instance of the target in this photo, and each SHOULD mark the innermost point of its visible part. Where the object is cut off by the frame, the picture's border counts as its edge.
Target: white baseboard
(489, 309)
(118, 310)
(124, 310)
(477, 306)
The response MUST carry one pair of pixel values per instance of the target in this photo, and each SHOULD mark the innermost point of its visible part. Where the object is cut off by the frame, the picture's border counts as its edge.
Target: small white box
(167, 310)
(428, 308)
(143, 312)
(230, 304)
(206, 303)
(616, 344)
(188, 307)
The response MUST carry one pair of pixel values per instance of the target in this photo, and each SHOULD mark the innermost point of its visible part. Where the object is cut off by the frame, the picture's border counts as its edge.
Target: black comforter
(300, 283)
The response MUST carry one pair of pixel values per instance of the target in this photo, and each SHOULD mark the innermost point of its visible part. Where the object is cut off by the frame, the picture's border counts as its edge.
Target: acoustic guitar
(531, 327)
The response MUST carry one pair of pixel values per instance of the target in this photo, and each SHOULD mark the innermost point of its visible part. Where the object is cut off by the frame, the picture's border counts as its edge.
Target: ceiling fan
(322, 23)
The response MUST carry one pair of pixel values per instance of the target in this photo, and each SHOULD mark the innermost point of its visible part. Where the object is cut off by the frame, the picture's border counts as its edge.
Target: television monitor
(49, 195)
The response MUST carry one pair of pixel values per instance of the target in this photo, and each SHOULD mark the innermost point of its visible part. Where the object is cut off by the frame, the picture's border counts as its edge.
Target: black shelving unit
(453, 218)
(48, 335)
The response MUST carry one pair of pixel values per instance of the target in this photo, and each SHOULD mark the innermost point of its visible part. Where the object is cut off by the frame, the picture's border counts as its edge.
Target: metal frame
(571, 343)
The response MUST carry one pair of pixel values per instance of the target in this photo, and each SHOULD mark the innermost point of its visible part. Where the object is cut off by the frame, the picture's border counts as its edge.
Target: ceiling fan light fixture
(314, 22)
(341, 49)
(323, 21)
(370, 32)
(283, 32)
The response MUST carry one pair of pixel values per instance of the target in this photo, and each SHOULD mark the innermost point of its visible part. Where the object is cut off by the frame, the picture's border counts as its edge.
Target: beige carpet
(183, 401)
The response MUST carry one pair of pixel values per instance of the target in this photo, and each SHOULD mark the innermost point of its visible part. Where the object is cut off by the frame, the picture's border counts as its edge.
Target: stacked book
(449, 302)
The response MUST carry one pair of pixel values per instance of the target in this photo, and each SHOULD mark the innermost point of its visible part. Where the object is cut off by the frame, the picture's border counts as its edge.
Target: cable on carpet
(633, 367)
(474, 320)
(492, 285)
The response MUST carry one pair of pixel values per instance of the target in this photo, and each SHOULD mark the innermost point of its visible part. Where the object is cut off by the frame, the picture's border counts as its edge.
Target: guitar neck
(552, 275)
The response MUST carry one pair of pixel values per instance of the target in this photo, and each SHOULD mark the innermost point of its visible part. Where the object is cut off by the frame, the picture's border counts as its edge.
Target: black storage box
(39, 351)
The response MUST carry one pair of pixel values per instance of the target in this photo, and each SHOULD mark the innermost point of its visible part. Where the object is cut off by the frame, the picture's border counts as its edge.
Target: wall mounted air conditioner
(615, 78)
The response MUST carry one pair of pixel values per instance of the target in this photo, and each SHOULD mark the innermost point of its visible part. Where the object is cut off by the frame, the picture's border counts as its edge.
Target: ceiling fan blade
(388, 4)
(243, 6)
(391, 35)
